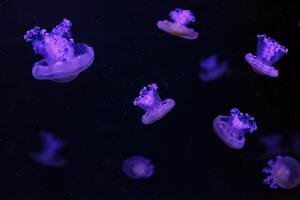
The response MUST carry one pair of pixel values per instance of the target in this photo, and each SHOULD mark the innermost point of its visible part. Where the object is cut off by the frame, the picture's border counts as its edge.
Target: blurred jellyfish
(211, 69)
(284, 172)
(150, 101)
(232, 129)
(137, 167)
(48, 156)
(268, 52)
(272, 145)
(181, 18)
(63, 58)
(294, 143)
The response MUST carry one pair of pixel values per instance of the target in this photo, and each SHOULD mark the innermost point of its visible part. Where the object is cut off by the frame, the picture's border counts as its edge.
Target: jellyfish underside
(230, 135)
(178, 30)
(137, 167)
(259, 67)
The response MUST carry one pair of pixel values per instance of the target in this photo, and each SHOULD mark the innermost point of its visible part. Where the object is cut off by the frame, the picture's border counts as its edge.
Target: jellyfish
(181, 18)
(150, 101)
(63, 58)
(268, 52)
(272, 145)
(211, 69)
(138, 167)
(232, 129)
(48, 156)
(284, 172)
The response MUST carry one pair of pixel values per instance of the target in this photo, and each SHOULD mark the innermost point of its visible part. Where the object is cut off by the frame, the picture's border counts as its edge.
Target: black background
(95, 116)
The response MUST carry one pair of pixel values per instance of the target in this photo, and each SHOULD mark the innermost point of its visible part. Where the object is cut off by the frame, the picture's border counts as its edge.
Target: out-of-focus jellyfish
(48, 156)
(63, 58)
(150, 101)
(178, 26)
(211, 69)
(284, 172)
(232, 129)
(268, 52)
(137, 167)
(272, 145)
(294, 143)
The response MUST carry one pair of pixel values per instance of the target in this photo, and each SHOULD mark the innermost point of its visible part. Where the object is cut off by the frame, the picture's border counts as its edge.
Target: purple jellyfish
(63, 58)
(231, 129)
(137, 167)
(268, 52)
(150, 101)
(283, 173)
(48, 156)
(211, 69)
(181, 18)
(272, 145)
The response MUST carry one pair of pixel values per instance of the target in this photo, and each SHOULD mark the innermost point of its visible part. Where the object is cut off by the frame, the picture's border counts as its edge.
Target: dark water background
(95, 116)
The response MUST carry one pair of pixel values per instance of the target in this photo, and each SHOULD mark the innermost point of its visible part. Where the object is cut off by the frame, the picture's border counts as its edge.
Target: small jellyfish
(48, 156)
(63, 58)
(181, 18)
(211, 69)
(231, 129)
(268, 52)
(284, 172)
(137, 167)
(272, 145)
(150, 101)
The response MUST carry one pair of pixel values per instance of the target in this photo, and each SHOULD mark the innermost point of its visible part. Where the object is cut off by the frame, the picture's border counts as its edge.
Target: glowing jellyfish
(232, 129)
(211, 69)
(283, 173)
(181, 18)
(150, 101)
(268, 52)
(63, 58)
(48, 156)
(137, 167)
(272, 145)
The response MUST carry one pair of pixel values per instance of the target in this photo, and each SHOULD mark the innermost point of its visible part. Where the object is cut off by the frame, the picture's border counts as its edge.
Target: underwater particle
(232, 129)
(137, 167)
(150, 101)
(63, 58)
(178, 26)
(268, 52)
(48, 155)
(284, 172)
(211, 69)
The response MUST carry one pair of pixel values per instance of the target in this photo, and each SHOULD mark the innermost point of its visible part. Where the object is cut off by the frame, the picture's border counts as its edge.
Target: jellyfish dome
(284, 172)
(178, 26)
(268, 52)
(138, 167)
(232, 129)
(63, 58)
(211, 69)
(150, 101)
(48, 155)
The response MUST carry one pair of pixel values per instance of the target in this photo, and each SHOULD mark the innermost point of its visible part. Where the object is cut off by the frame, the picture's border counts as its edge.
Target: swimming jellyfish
(284, 172)
(63, 58)
(137, 167)
(48, 156)
(268, 52)
(150, 101)
(211, 69)
(272, 145)
(181, 18)
(232, 129)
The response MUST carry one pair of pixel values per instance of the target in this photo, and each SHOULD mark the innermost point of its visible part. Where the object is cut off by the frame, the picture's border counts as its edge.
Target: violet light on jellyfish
(211, 68)
(48, 155)
(284, 172)
(138, 167)
(232, 129)
(150, 101)
(268, 52)
(178, 25)
(63, 58)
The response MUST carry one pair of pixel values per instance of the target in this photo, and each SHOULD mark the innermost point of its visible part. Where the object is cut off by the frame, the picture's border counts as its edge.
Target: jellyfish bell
(284, 172)
(150, 101)
(138, 167)
(232, 129)
(63, 59)
(178, 26)
(268, 52)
